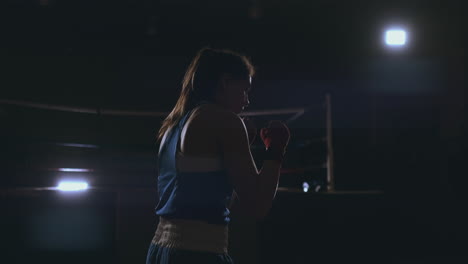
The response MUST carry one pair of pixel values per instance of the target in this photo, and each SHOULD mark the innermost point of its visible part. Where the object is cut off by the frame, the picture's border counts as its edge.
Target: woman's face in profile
(234, 94)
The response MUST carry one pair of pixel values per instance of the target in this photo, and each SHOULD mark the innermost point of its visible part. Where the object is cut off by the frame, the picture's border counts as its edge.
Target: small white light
(305, 186)
(395, 37)
(74, 170)
(70, 186)
(317, 188)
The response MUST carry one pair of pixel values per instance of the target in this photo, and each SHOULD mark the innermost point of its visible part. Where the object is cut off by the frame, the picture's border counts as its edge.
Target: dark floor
(102, 227)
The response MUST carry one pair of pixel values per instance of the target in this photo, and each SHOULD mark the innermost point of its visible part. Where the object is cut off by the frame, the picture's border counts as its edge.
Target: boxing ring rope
(113, 112)
(30, 190)
(298, 112)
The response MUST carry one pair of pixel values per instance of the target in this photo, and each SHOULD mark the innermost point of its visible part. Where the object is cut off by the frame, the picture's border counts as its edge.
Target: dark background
(398, 124)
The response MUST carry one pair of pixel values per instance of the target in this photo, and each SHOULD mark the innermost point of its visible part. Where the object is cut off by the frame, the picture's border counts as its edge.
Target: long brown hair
(202, 79)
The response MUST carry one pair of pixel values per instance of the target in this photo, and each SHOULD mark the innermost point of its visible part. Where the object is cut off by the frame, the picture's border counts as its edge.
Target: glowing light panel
(74, 170)
(305, 187)
(72, 186)
(395, 37)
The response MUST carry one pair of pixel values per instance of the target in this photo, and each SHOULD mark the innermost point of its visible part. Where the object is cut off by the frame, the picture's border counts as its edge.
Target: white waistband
(191, 235)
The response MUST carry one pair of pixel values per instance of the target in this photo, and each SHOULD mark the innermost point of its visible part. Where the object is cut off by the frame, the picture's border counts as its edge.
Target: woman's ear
(221, 88)
(223, 81)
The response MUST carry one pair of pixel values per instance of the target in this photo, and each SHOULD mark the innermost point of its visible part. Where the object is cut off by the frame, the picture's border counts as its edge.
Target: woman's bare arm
(255, 189)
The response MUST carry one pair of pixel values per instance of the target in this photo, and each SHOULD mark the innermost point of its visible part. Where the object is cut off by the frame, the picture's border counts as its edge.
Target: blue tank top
(190, 195)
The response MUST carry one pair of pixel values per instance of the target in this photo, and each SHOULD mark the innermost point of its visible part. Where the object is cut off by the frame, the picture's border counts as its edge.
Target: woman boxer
(205, 161)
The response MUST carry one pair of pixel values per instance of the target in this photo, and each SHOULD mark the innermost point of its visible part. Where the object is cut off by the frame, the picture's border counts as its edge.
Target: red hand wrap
(275, 136)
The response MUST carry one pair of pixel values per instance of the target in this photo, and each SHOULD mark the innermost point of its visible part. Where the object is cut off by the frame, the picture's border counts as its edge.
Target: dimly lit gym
(242, 131)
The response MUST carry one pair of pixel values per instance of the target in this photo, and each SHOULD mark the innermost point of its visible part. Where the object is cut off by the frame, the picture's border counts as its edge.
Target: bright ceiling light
(74, 170)
(72, 186)
(395, 37)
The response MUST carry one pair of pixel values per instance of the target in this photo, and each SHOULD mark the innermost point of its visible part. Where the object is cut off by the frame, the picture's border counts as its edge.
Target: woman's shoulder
(214, 113)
